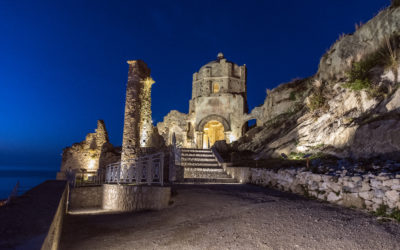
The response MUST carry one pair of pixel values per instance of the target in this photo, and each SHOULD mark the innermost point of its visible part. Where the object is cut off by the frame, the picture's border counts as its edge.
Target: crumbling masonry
(138, 122)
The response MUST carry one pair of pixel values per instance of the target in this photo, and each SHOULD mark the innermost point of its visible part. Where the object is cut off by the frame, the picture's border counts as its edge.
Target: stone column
(146, 123)
(199, 140)
(228, 136)
(138, 71)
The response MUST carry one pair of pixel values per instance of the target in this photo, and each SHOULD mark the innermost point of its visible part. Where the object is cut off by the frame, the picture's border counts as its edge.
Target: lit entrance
(213, 131)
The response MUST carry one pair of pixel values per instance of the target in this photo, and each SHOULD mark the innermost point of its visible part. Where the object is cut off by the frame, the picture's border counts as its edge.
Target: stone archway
(205, 120)
(210, 129)
(213, 131)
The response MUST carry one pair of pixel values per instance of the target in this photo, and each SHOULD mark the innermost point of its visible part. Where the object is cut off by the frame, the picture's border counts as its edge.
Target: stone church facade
(218, 108)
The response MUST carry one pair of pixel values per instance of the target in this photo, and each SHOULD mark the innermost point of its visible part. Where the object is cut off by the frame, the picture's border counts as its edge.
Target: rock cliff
(349, 108)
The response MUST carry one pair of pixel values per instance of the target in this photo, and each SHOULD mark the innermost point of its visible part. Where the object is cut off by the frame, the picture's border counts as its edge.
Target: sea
(27, 176)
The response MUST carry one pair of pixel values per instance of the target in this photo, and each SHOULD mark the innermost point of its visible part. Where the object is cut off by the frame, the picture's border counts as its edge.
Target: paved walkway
(232, 217)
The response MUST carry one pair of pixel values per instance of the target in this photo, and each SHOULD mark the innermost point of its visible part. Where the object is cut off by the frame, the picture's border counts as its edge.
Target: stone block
(352, 200)
(366, 195)
(333, 197)
(365, 186)
(392, 195)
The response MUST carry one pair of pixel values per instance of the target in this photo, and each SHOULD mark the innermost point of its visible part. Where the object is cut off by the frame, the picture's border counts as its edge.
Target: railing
(145, 169)
(86, 178)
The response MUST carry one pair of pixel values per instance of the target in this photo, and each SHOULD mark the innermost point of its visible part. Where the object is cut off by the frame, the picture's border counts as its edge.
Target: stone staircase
(201, 166)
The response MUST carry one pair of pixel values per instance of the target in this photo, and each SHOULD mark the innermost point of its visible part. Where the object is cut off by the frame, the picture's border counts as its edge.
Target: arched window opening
(215, 88)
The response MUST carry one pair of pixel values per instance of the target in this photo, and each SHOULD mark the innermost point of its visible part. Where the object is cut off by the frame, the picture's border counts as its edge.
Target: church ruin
(217, 111)
(218, 108)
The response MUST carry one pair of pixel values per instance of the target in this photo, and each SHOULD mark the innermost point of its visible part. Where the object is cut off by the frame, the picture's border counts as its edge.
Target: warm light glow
(148, 81)
(215, 88)
(92, 164)
(213, 131)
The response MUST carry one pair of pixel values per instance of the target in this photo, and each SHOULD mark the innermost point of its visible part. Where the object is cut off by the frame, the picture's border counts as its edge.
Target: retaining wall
(135, 198)
(34, 219)
(86, 197)
(116, 197)
(366, 191)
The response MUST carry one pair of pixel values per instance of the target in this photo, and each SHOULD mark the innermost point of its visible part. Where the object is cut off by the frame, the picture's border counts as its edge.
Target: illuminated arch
(205, 120)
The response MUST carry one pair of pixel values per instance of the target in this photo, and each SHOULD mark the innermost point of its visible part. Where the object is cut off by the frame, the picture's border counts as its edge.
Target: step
(197, 155)
(197, 159)
(195, 150)
(199, 164)
(205, 173)
(209, 180)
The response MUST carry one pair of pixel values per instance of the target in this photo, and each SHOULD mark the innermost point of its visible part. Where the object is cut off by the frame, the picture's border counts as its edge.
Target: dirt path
(232, 217)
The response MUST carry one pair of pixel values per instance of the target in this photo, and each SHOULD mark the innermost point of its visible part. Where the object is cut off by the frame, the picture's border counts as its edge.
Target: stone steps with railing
(201, 166)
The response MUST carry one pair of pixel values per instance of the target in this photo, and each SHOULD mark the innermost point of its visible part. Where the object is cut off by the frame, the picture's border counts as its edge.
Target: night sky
(63, 63)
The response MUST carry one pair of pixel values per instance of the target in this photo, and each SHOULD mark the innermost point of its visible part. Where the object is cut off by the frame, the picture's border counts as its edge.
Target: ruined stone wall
(174, 122)
(94, 152)
(138, 72)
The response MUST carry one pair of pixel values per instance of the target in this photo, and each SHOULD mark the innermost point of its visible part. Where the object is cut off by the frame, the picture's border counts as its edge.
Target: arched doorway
(213, 131)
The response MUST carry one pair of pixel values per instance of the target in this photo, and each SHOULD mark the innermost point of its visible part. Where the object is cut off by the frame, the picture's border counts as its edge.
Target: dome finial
(220, 55)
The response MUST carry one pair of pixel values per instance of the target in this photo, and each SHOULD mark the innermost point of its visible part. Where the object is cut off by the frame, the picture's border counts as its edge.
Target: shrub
(381, 210)
(395, 3)
(389, 54)
(292, 96)
(359, 73)
(386, 56)
(316, 101)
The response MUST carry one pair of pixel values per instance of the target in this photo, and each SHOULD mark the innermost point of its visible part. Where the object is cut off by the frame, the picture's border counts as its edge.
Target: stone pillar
(146, 122)
(138, 72)
(228, 136)
(199, 139)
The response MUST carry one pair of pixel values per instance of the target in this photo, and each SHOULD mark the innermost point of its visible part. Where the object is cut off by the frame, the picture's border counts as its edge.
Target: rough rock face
(284, 99)
(174, 122)
(91, 154)
(354, 47)
(322, 114)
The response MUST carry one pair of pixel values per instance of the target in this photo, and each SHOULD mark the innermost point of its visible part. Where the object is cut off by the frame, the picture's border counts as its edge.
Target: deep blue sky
(63, 63)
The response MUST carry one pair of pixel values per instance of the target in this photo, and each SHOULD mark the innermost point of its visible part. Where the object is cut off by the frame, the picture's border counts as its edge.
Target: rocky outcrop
(91, 154)
(346, 109)
(350, 48)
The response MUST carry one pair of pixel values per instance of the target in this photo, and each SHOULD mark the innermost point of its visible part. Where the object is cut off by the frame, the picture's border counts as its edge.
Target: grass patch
(359, 77)
(382, 211)
(395, 214)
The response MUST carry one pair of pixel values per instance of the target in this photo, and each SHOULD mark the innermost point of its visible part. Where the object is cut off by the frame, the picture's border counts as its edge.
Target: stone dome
(214, 63)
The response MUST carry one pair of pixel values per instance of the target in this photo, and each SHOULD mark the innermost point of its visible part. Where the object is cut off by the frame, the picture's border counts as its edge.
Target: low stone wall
(52, 239)
(86, 197)
(366, 191)
(135, 198)
(34, 219)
